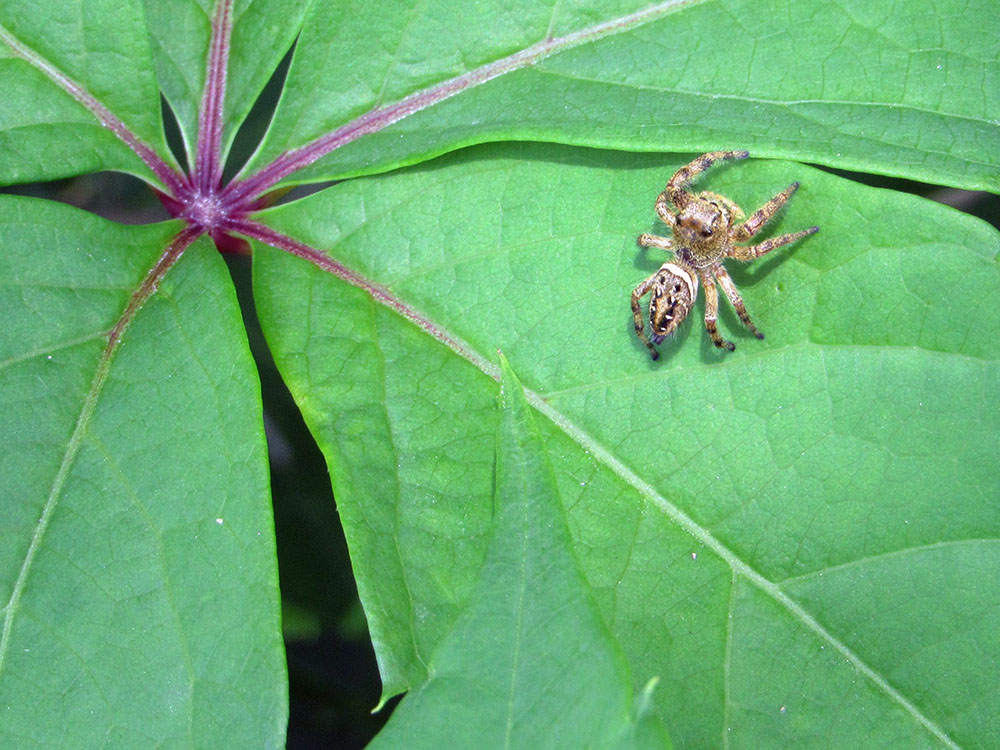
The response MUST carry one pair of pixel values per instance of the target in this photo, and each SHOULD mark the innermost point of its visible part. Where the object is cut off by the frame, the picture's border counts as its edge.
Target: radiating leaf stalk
(208, 169)
(263, 233)
(172, 179)
(382, 117)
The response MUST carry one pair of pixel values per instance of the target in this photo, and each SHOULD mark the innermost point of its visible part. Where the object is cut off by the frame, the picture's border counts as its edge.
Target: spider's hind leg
(733, 295)
(637, 294)
(712, 314)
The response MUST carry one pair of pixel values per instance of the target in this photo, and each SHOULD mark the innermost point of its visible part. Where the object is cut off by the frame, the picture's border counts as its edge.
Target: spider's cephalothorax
(706, 229)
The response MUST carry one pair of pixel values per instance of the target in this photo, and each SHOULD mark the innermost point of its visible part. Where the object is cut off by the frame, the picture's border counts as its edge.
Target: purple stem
(208, 161)
(175, 182)
(149, 284)
(265, 234)
(382, 117)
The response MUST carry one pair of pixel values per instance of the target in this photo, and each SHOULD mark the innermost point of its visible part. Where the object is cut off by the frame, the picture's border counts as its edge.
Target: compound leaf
(794, 539)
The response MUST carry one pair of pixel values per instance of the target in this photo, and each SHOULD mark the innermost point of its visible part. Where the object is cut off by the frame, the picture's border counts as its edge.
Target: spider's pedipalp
(663, 211)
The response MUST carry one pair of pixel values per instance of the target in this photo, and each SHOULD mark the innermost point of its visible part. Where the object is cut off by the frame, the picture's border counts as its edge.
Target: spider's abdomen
(675, 289)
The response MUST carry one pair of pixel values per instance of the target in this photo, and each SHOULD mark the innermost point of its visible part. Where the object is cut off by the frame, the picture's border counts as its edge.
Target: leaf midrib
(736, 564)
(788, 103)
(146, 288)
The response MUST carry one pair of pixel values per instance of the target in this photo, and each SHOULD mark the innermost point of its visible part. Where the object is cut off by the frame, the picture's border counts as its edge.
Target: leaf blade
(529, 657)
(845, 86)
(46, 133)
(144, 608)
(767, 453)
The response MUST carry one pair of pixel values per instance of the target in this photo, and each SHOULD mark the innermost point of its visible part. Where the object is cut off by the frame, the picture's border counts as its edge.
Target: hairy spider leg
(762, 215)
(675, 186)
(750, 252)
(652, 240)
(712, 312)
(733, 295)
(638, 293)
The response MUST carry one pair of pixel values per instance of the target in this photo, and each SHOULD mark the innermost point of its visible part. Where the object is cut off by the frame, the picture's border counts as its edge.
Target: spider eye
(706, 232)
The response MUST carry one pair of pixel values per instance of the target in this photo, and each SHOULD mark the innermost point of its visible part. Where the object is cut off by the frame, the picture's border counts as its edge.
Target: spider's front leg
(674, 192)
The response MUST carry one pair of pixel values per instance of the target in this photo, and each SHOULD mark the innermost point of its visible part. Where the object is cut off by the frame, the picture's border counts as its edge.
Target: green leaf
(137, 565)
(772, 533)
(263, 31)
(906, 89)
(103, 46)
(793, 539)
(529, 663)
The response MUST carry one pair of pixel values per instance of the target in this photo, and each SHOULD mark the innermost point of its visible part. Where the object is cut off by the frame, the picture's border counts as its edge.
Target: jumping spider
(705, 230)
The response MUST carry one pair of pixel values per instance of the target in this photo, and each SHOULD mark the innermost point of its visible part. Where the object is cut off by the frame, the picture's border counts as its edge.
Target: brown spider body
(705, 230)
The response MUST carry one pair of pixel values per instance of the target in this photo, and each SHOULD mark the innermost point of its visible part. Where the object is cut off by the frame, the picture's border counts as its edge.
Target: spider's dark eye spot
(706, 232)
